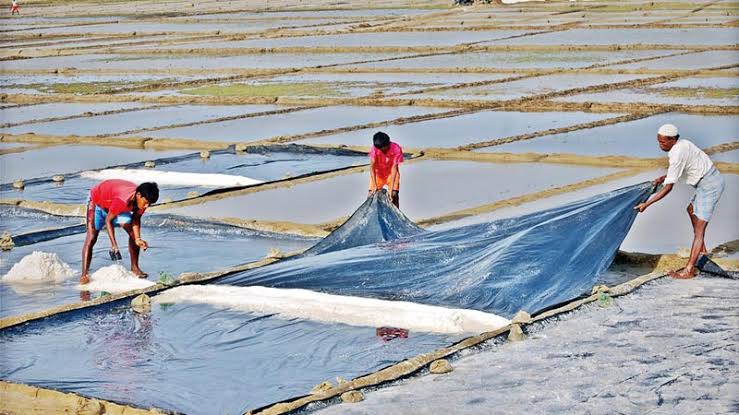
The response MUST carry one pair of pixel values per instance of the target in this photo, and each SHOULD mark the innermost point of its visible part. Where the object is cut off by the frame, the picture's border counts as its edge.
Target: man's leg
(133, 251)
(92, 237)
(693, 221)
(701, 209)
(699, 246)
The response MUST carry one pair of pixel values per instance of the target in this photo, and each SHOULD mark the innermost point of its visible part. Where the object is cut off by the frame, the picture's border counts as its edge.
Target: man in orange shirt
(117, 203)
(385, 158)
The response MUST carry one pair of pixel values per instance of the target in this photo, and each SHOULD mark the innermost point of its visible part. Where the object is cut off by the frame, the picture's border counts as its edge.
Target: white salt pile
(39, 267)
(171, 178)
(356, 311)
(114, 279)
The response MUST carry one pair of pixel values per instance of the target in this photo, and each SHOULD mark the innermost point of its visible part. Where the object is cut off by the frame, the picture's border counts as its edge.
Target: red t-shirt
(114, 195)
(384, 161)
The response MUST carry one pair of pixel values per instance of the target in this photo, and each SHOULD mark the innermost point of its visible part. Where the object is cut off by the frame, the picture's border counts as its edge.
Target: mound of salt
(356, 311)
(171, 178)
(114, 279)
(39, 267)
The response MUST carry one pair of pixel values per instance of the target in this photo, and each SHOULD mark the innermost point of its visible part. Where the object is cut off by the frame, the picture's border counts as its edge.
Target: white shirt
(686, 159)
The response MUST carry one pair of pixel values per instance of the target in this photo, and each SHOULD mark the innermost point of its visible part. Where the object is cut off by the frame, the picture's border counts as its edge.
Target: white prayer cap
(668, 130)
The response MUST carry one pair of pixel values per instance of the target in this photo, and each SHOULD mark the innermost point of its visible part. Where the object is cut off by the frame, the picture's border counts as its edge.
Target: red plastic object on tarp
(390, 333)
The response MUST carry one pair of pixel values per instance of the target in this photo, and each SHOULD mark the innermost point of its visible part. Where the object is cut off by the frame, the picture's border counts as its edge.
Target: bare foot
(683, 274)
(84, 279)
(139, 273)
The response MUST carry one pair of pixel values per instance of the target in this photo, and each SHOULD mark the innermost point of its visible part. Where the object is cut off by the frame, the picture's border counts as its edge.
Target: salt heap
(171, 178)
(357, 311)
(114, 279)
(39, 267)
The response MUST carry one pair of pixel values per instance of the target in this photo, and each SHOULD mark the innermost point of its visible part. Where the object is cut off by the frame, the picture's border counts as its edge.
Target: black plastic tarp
(522, 263)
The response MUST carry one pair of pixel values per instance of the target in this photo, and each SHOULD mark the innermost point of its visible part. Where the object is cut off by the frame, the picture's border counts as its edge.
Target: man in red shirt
(121, 203)
(385, 158)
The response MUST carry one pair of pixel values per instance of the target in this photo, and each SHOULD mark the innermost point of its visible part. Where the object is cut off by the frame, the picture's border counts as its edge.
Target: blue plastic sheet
(194, 358)
(177, 245)
(376, 220)
(17, 220)
(200, 359)
(524, 263)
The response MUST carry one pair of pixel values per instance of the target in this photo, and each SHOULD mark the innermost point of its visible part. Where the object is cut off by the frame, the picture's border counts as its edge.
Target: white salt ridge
(171, 178)
(39, 267)
(355, 311)
(115, 279)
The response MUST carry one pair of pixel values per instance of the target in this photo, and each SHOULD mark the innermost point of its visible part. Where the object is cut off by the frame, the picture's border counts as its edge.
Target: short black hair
(150, 191)
(380, 139)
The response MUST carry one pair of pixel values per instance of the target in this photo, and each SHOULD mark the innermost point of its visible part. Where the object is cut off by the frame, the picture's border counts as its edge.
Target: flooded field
(539, 85)
(463, 129)
(633, 138)
(700, 36)
(50, 161)
(52, 84)
(278, 285)
(290, 124)
(144, 119)
(339, 85)
(700, 60)
(183, 175)
(720, 91)
(26, 113)
(134, 63)
(399, 39)
(422, 179)
(521, 60)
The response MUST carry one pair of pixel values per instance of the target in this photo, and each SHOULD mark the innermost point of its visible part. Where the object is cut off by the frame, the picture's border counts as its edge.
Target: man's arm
(111, 230)
(641, 207)
(393, 176)
(674, 171)
(373, 180)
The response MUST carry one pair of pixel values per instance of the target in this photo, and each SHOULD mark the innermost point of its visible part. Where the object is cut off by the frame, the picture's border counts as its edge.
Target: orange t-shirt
(384, 161)
(114, 195)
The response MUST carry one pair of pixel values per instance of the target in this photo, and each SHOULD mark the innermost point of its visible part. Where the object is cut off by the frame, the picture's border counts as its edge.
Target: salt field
(143, 119)
(633, 138)
(508, 271)
(181, 172)
(423, 180)
(463, 129)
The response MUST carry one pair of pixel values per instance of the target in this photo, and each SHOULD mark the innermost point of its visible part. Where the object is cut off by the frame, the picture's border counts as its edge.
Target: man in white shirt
(687, 160)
